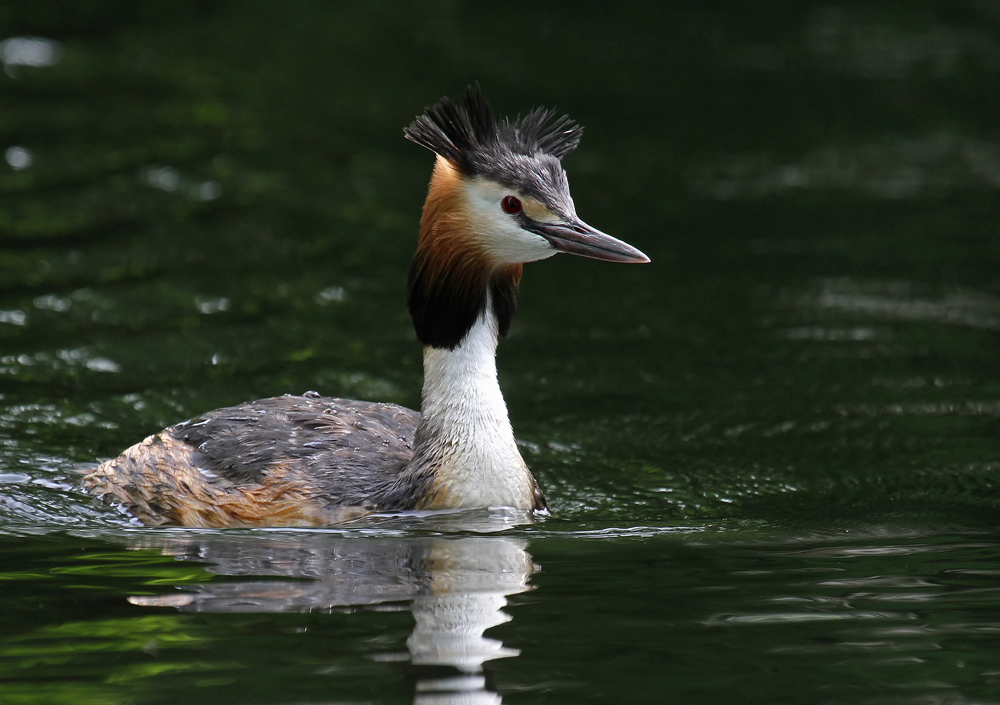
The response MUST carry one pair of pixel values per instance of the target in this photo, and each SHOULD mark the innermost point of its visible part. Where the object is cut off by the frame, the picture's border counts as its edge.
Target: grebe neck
(464, 444)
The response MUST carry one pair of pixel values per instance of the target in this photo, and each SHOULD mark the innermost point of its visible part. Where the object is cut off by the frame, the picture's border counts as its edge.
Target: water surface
(771, 454)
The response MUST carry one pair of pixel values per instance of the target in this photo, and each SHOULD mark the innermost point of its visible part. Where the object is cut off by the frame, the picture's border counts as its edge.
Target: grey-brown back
(346, 451)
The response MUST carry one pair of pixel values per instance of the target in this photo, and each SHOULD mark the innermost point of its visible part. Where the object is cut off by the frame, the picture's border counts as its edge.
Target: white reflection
(210, 306)
(167, 178)
(470, 583)
(62, 360)
(208, 191)
(892, 168)
(14, 318)
(51, 302)
(456, 589)
(901, 301)
(162, 177)
(331, 294)
(849, 42)
(28, 51)
(19, 158)
(858, 42)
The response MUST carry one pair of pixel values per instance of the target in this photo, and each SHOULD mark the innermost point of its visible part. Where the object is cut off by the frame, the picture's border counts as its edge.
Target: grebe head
(498, 197)
(512, 190)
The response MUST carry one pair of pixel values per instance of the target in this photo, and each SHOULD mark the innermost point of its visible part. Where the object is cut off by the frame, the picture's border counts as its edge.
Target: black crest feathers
(471, 137)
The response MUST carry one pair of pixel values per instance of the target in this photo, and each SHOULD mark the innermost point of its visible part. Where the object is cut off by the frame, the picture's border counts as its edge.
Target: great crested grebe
(498, 197)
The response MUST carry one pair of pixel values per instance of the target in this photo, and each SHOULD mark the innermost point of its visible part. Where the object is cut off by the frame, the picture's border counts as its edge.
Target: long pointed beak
(578, 238)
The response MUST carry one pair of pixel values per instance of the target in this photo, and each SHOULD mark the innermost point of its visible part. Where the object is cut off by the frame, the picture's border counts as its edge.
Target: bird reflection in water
(456, 588)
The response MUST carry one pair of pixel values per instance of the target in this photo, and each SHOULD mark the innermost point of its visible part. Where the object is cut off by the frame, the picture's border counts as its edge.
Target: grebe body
(498, 197)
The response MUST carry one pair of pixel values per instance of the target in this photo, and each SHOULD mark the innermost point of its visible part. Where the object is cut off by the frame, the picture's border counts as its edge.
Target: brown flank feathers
(160, 483)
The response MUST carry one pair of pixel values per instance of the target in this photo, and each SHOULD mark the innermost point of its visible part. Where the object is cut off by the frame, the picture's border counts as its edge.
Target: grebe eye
(511, 205)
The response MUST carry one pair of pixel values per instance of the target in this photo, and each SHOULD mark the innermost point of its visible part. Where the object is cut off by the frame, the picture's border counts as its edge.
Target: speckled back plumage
(284, 460)
(336, 439)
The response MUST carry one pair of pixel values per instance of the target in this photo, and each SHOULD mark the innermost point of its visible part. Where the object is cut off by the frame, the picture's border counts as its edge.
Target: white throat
(465, 435)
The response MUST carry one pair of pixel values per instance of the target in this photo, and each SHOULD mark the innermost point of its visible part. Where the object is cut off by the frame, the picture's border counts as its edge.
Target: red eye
(510, 204)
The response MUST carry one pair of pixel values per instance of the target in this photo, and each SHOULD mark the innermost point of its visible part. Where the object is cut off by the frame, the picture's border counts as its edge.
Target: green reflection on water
(881, 612)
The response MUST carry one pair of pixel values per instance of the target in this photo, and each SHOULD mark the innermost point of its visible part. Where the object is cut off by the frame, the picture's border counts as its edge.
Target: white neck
(465, 437)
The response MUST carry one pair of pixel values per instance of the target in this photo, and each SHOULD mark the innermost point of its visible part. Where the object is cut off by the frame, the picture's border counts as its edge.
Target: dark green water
(772, 454)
